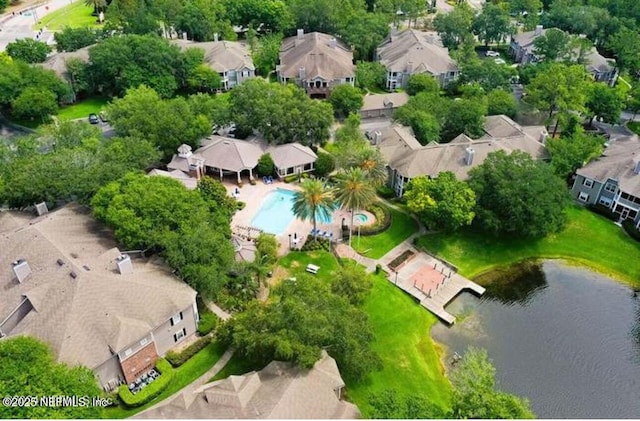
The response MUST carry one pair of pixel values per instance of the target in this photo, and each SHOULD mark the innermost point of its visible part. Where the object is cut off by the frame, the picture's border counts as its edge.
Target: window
(176, 319)
(605, 201)
(179, 335)
(143, 342)
(128, 352)
(610, 187)
(583, 197)
(587, 182)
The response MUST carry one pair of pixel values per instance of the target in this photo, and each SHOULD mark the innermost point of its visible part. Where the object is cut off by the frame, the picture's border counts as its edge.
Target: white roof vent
(469, 153)
(125, 267)
(42, 208)
(21, 269)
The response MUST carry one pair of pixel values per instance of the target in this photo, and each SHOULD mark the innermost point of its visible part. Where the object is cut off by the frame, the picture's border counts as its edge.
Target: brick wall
(139, 363)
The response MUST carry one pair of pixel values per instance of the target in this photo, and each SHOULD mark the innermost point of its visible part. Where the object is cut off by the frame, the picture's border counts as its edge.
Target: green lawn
(296, 263)
(411, 364)
(184, 375)
(634, 126)
(589, 239)
(376, 246)
(235, 367)
(75, 15)
(82, 109)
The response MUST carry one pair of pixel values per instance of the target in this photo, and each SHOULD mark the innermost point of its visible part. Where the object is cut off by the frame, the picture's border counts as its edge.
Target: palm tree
(355, 191)
(314, 199)
(370, 160)
(98, 5)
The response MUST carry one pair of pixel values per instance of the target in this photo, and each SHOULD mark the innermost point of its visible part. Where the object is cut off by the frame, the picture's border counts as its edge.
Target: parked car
(103, 116)
(500, 61)
(492, 54)
(93, 118)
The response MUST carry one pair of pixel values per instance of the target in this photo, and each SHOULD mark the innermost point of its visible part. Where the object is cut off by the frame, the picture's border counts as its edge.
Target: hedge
(317, 243)
(207, 323)
(383, 220)
(290, 178)
(150, 392)
(178, 358)
(386, 192)
(604, 211)
(631, 229)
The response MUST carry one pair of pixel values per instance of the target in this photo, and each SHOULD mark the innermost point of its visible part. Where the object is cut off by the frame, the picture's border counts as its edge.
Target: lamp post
(289, 242)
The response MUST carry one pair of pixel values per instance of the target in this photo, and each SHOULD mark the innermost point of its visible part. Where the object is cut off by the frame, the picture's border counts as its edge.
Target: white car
(492, 54)
(500, 61)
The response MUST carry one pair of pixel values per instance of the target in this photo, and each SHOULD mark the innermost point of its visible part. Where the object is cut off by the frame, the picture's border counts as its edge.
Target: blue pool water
(276, 212)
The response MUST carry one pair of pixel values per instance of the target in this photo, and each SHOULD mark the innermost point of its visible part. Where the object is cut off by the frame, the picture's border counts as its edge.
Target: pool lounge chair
(265, 180)
(270, 179)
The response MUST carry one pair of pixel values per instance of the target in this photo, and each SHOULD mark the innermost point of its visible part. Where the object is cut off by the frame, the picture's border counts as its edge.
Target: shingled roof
(320, 55)
(221, 55)
(58, 61)
(415, 51)
(405, 154)
(279, 391)
(99, 311)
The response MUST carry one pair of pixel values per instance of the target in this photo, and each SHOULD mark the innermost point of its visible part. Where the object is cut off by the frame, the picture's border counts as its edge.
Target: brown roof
(189, 182)
(382, 101)
(279, 391)
(314, 53)
(58, 61)
(405, 154)
(420, 51)
(221, 55)
(99, 310)
(617, 163)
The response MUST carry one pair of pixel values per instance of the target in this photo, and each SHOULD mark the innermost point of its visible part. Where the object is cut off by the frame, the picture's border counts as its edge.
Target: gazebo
(225, 155)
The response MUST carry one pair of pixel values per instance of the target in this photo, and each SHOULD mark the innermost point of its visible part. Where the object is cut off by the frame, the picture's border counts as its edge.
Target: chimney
(21, 269)
(543, 137)
(332, 43)
(125, 267)
(377, 137)
(636, 169)
(409, 67)
(184, 151)
(302, 73)
(300, 34)
(468, 156)
(215, 37)
(42, 208)
(538, 30)
(184, 36)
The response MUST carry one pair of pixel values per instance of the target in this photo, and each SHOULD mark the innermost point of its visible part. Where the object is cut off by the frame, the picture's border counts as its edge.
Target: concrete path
(217, 310)
(195, 385)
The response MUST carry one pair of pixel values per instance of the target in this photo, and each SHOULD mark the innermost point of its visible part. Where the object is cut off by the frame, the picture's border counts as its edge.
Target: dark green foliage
(29, 369)
(324, 165)
(160, 213)
(475, 394)
(34, 103)
(28, 50)
(518, 196)
(315, 243)
(370, 75)
(266, 248)
(487, 73)
(166, 123)
(208, 321)
(216, 194)
(150, 392)
(266, 167)
(389, 405)
(72, 39)
(422, 82)
(631, 229)
(303, 318)
(346, 100)
(382, 223)
(176, 359)
(455, 26)
(570, 153)
(553, 45)
(266, 53)
(492, 25)
(386, 192)
(364, 31)
(269, 15)
(604, 211)
(281, 113)
(501, 102)
(605, 103)
(464, 116)
(353, 283)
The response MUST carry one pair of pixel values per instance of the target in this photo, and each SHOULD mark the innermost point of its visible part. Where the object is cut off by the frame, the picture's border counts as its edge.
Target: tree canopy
(29, 368)
(492, 24)
(570, 153)
(28, 50)
(518, 196)
(346, 99)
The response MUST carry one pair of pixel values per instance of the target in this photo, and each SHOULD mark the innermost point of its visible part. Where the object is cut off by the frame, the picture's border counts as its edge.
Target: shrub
(325, 164)
(386, 192)
(207, 323)
(604, 211)
(631, 229)
(178, 358)
(266, 166)
(290, 178)
(240, 205)
(317, 243)
(383, 220)
(252, 181)
(150, 392)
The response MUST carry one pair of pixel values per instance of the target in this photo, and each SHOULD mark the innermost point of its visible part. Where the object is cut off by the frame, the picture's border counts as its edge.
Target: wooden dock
(448, 290)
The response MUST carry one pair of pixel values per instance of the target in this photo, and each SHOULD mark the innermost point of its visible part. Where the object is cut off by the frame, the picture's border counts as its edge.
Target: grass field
(184, 375)
(589, 239)
(295, 263)
(634, 126)
(410, 359)
(376, 246)
(82, 109)
(75, 15)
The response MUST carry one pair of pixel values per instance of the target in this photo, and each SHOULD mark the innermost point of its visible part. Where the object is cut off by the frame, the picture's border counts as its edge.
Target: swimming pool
(276, 212)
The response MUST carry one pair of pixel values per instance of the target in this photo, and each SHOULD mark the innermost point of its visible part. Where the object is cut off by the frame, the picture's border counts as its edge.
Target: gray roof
(58, 61)
(413, 51)
(189, 182)
(291, 155)
(314, 53)
(382, 101)
(526, 39)
(221, 56)
(405, 154)
(83, 318)
(617, 163)
(279, 391)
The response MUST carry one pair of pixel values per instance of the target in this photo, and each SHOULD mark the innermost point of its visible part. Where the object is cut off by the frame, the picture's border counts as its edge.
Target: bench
(312, 268)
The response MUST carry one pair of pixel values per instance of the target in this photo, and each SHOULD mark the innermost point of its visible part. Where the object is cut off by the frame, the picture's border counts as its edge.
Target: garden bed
(382, 222)
(401, 260)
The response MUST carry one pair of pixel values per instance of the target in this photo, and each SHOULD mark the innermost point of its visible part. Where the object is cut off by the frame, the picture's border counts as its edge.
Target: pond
(566, 338)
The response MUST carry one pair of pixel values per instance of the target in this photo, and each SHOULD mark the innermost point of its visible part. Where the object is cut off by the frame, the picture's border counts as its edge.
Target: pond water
(566, 338)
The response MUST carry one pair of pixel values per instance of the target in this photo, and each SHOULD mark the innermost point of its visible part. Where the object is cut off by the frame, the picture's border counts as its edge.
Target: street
(19, 26)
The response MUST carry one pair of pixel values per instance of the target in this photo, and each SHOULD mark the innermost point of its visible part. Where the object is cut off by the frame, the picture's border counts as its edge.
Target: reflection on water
(516, 285)
(566, 338)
